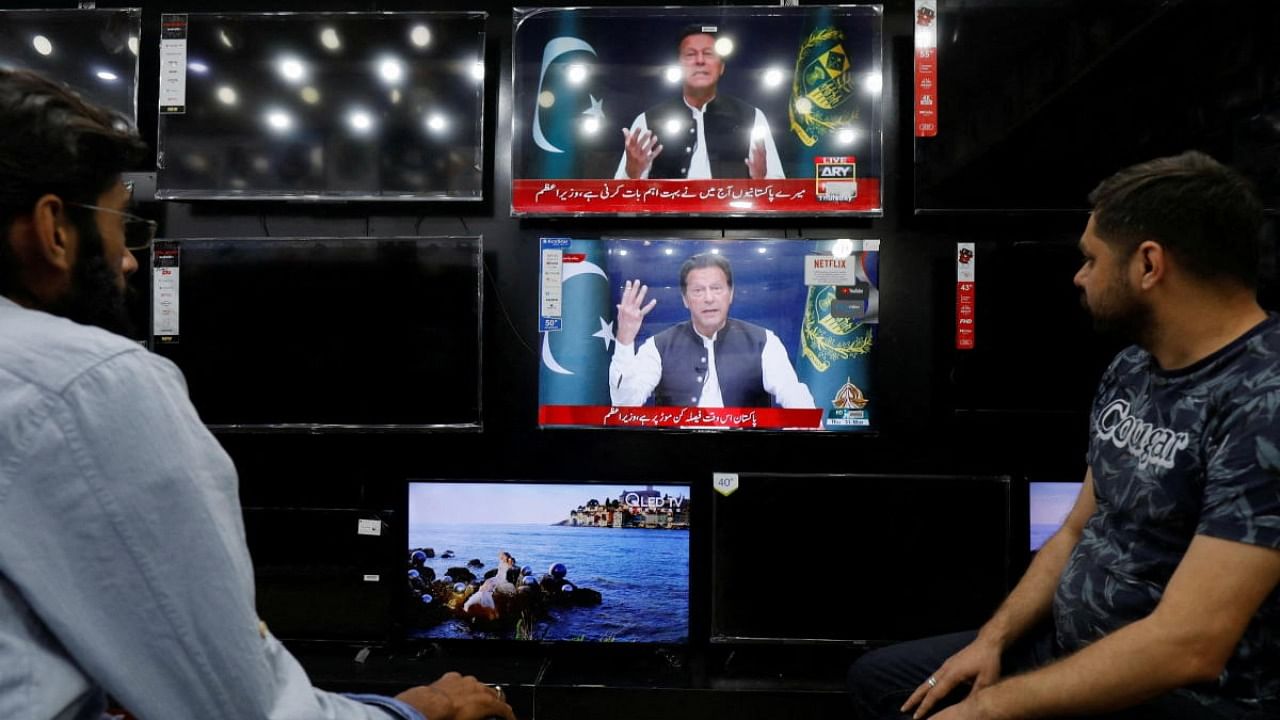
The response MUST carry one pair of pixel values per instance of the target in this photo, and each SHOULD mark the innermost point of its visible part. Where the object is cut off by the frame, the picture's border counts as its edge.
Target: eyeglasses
(138, 231)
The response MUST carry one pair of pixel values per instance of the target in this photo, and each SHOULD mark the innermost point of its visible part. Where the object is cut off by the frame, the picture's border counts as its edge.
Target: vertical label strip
(926, 72)
(966, 286)
(165, 261)
(173, 64)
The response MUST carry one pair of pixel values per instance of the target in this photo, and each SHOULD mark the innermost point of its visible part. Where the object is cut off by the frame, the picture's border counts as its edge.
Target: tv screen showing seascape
(548, 562)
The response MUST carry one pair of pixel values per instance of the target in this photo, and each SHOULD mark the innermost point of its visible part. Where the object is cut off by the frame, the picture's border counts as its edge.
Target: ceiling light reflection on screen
(391, 71)
(361, 122)
(310, 95)
(329, 39)
(42, 45)
(197, 67)
(477, 70)
(420, 36)
(107, 75)
(674, 74)
(279, 121)
(133, 44)
(437, 123)
(292, 69)
(227, 95)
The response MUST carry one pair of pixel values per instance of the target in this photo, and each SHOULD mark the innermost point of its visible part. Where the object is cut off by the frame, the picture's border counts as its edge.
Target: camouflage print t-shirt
(1174, 455)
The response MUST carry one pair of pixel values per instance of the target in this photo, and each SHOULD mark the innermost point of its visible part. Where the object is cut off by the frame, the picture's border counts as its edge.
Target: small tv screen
(356, 106)
(548, 562)
(1038, 102)
(858, 559)
(698, 110)
(1049, 503)
(716, 334)
(315, 333)
(93, 51)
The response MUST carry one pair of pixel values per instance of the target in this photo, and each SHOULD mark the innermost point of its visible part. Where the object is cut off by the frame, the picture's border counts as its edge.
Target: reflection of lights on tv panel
(93, 51)
(787, 100)
(548, 562)
(362, 106)
(722, 335)
(323, 333)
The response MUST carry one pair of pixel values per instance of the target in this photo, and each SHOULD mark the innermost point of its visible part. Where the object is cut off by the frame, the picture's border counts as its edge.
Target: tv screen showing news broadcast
(698, 110)
(548, 561)
(709, 334)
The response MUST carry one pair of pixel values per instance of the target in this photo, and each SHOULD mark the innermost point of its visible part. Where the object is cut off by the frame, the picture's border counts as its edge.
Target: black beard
(94, 297)
(1131, 325)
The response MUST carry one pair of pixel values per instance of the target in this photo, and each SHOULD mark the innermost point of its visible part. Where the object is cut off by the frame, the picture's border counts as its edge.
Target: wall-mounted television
(324, 573)
(698, 110)
(1038, 102)
(858, 559)
(734, 334)
(93, 51)
(547, 561)
(347, 106)
(323, 333)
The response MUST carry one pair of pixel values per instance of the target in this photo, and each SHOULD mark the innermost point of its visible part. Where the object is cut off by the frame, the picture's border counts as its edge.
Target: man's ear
(50, 241)
(1154, 263)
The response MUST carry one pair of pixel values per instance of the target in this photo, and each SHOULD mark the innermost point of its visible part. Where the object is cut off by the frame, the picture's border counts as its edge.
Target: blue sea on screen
(642, 574)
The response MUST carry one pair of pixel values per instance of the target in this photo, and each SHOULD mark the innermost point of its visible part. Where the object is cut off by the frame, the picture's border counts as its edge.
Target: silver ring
(498, 689)
(932, 681)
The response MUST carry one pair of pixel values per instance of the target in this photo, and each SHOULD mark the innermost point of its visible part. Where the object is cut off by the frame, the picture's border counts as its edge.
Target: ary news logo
(836, 178)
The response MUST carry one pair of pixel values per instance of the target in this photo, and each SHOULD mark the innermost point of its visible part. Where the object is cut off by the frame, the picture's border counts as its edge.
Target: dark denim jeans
(882, 680)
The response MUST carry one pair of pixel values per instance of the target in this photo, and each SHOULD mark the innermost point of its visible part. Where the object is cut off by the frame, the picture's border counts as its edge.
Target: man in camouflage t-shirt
(1158, 597)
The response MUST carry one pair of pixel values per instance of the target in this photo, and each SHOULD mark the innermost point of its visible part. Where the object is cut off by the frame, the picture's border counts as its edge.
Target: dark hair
(695, 29)
(56, 142)
(1206, 215)
(705, 260)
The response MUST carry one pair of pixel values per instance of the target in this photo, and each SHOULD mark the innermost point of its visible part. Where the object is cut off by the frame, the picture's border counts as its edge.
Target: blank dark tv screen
(858, 559)
(307, 332)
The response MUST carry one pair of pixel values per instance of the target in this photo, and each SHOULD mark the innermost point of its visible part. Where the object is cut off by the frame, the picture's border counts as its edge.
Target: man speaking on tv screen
(709, 361)
(702, 134)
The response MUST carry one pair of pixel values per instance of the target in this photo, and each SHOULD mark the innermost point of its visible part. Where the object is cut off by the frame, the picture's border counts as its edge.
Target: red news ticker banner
(687, 196)
(680, 417)
(926, 69)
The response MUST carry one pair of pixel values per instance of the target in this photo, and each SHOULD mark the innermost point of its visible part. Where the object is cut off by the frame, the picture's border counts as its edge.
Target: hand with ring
(978, 664)
(454, 697)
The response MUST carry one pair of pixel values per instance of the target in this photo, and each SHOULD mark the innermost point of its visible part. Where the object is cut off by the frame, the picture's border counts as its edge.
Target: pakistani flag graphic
(575, 359)
(836, 347)
(568, 118)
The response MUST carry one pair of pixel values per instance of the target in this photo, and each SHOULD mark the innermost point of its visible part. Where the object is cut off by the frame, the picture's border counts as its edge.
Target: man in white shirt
(708, 135)
(710, 361)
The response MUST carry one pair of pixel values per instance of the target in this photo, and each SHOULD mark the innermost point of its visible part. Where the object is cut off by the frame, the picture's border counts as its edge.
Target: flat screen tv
(94, 51)
(1048, 504)
(1038, 102)
(324, 573)
(346, 106)
(573, 562)
(737, 334)
(857, 559)
(729, 111)
(323, 333)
